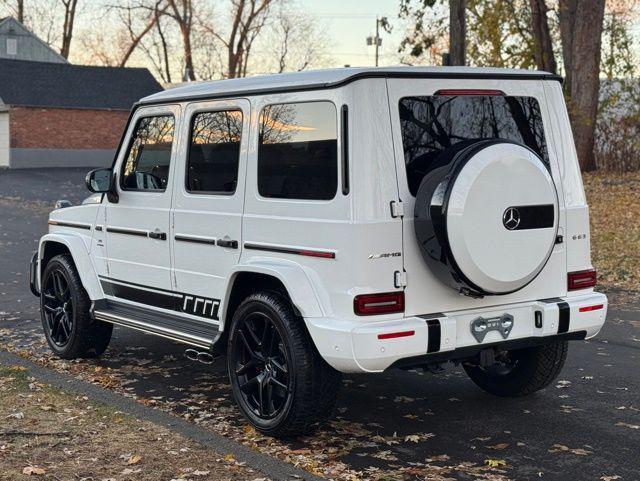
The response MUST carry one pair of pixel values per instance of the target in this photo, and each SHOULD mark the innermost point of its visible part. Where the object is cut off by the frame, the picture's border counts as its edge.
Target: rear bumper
(33, 274)
(354, 346)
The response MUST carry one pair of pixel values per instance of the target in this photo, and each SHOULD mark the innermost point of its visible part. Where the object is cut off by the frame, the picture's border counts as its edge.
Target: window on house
(298, 151)
(12, 46)
(147, 164)
(214, 152)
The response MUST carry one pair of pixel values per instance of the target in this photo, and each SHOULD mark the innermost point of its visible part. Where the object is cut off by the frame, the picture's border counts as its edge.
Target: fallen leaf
(33, 470)
(627, 425)
(134, 459)
(499, 446)
(495, 463)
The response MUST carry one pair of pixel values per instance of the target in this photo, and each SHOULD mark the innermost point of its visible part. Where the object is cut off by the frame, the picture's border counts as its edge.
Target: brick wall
(42, 128)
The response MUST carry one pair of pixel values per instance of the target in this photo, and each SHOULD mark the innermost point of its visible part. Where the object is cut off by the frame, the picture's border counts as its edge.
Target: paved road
(399, 425)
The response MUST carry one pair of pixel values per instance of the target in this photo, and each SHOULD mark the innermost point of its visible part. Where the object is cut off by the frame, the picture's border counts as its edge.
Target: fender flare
(308, 297)
(80, 254)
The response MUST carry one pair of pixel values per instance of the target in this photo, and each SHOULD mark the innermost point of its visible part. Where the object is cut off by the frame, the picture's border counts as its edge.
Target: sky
(349, 22)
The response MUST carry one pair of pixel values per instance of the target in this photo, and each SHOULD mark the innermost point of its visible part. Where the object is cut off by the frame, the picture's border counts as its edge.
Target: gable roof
(9, 24)
(44, 84)
(329, 78)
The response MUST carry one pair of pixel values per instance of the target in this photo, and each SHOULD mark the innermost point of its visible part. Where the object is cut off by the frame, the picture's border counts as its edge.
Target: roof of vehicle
(328, 78)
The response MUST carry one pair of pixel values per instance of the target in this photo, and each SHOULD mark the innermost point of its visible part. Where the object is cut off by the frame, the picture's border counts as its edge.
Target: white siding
(4, 139)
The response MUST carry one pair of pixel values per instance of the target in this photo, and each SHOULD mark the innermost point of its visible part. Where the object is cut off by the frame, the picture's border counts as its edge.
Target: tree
(457, 32)
(67, 27)
(248, 17)
(542, 42)
(15, 8)
(182, 12)
(581, 26)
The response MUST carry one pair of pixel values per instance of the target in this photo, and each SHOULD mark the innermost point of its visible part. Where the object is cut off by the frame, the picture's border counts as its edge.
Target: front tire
(69, 328)
(521, 372)
(279, 381)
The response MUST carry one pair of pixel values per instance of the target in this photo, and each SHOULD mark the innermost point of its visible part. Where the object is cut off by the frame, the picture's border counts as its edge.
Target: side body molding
(307, 296)
(80, 254)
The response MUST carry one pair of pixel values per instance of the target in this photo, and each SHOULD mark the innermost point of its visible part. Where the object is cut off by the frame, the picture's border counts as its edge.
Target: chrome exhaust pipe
(200, 356)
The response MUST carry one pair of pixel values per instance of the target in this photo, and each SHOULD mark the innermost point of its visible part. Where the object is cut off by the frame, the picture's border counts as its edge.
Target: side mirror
(99, 181)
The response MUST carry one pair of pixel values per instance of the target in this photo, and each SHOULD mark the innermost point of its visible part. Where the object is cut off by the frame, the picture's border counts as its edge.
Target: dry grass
(614, 202)
(49, 434)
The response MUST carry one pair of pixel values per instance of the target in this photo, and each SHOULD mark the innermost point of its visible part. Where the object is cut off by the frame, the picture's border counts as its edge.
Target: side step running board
(185, 330)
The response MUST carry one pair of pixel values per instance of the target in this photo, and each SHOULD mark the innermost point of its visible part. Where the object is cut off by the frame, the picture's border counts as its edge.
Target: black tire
(528, 371)
(82, 336)
(312, 385)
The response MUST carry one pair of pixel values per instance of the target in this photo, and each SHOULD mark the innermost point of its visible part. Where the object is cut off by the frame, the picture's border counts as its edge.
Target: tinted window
(432, 125)
(149, 157)
(298, 151)
(214, 152)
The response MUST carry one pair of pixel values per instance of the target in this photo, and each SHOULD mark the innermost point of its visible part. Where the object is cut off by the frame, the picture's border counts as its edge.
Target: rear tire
(268, 348)
(528, 371)
(69, 328)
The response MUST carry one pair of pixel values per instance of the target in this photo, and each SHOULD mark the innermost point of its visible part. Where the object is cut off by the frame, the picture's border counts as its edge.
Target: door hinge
(397, 208)
(400, 279)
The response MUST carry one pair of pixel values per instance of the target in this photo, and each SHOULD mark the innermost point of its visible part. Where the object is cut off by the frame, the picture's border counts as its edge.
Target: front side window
(433, 125)
(147, 164)
(298, 151)
(214, 152)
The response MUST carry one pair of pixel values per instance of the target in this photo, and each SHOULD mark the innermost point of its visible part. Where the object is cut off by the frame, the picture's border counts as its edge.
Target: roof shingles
(44, 84)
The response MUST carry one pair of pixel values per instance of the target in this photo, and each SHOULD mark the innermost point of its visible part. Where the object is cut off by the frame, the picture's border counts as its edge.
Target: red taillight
(458, 92)
(581, 279)
(395, 335)
(385, 303)
(597, 307)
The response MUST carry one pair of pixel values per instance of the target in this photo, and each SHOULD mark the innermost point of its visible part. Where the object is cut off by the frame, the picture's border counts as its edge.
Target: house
(64, 115)
(18, 43)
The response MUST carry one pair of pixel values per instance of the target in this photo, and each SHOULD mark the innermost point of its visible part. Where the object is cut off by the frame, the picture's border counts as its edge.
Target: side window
(298, 151)
(149, 156)
(214, 152)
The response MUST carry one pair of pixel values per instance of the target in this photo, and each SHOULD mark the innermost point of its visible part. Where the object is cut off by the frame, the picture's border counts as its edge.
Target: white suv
(349, 220)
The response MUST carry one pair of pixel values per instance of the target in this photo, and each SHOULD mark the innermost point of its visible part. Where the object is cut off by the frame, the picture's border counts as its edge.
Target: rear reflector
(458, 92)
(581, 279)
(394, 335)
(385, 303)
(324, 255)
(597, 307)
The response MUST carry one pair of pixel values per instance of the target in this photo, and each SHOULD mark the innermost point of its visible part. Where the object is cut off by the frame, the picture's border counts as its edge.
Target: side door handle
(230, 244)
(158, 235)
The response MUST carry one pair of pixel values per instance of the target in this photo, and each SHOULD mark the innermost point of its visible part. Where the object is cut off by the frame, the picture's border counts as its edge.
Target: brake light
(458, 92)
(384, 303)
(597, 307)
(581, 279)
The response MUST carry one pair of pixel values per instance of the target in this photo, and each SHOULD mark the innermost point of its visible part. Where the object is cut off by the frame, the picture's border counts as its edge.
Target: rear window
(432, 125)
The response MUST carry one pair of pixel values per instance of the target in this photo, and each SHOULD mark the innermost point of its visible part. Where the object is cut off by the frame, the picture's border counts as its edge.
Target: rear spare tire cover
(486, 220)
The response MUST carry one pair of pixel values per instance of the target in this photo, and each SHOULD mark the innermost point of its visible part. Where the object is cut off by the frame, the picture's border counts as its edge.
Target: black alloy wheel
(280, 383)
(57, 306)
(261, 366)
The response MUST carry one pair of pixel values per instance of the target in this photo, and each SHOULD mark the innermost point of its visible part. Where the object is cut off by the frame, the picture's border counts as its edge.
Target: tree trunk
(67, 28)
(20, 10)
(457, 32)
(581, 30)
(543, 46)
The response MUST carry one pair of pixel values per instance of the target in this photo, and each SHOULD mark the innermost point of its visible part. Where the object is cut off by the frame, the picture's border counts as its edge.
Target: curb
(273, 468)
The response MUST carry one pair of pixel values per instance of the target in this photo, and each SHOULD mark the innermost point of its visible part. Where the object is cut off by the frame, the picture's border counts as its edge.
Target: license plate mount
(480, 326)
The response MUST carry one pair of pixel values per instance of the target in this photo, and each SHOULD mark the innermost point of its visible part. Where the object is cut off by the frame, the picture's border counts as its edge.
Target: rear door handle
(158, 235)
(230, 244)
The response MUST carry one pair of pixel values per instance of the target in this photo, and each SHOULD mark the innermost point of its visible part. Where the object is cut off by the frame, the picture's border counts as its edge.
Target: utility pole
(377, 40)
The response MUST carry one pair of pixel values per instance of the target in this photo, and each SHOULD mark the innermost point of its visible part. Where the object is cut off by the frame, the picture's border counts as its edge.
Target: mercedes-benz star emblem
(511, 218)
